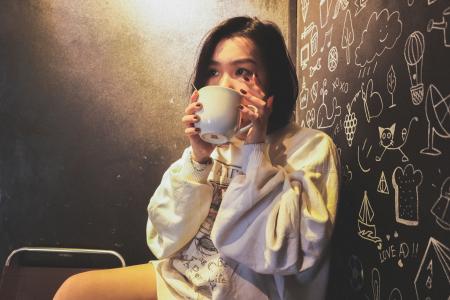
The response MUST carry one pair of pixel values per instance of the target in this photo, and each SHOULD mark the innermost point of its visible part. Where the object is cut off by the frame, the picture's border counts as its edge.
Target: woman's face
(233, 60)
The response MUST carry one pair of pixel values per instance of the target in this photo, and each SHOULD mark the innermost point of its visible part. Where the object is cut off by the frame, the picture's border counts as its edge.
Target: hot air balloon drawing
(414, 49)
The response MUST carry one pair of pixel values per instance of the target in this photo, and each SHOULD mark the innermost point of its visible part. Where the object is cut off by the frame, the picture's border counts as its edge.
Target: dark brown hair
(267, 37)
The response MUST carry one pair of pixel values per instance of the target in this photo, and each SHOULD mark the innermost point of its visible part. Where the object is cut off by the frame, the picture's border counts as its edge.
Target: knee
(69, 289)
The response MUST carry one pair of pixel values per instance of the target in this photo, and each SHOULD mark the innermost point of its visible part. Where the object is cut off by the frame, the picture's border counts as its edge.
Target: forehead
(236, 47)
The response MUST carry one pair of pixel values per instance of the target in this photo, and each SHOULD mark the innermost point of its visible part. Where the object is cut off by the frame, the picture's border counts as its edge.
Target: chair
(37, 272)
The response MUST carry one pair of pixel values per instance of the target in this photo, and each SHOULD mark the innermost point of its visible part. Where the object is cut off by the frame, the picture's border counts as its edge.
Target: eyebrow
(236, 62)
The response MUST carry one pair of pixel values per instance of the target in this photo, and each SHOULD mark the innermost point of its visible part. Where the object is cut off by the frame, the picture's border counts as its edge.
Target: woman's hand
(259, 116)
(201, 150)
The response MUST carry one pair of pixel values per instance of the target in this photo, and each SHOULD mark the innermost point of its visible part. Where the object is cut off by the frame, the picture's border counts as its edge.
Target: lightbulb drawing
(442, 25)
(414, 49)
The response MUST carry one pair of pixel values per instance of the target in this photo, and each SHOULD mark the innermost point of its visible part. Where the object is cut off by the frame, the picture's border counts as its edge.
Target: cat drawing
(387, 139)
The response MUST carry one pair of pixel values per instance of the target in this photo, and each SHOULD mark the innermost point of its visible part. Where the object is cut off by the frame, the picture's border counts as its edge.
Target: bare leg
(134, 282)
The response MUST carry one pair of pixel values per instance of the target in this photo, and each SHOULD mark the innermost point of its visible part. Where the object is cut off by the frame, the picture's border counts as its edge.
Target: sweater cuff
(192, 170)
(253, 155)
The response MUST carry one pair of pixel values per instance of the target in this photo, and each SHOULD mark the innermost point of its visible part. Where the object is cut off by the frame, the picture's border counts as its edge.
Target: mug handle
(247, 127)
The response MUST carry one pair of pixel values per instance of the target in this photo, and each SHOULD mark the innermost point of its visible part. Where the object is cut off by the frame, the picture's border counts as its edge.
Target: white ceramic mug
(220, 114)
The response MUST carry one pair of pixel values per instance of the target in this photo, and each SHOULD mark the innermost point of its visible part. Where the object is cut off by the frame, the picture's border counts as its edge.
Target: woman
(250, 219)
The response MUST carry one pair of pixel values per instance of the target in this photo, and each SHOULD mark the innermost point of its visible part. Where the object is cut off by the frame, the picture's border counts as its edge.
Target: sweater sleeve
(278, 220)
(178, 207)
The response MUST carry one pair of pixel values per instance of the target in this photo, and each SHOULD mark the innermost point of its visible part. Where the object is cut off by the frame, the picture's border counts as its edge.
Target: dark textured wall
(91, 97)
(375, 76)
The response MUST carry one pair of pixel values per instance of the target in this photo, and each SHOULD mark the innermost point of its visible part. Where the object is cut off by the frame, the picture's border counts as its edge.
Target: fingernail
(241, 107)
(246, 78)
(243, 91)
(195, 118)
(198, 104)
(197, 129)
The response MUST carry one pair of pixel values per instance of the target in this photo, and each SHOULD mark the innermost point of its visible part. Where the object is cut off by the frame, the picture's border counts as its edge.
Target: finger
(193, 108)
(270, 103)
(249, 112)
(256, 101)
(190, 120)
(194, 96)
(257, 87)
(190, 131)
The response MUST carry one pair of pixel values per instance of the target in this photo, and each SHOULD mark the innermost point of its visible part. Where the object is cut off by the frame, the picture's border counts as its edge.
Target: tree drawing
(391, 81)
(348, 35)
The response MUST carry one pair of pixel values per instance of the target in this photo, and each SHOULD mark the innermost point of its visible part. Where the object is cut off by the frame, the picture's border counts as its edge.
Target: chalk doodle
(437, 111)
(365, 157)
(441, 208)
(357, 273)
(348, 174)
(341, 5)
(314, 89)
(395, 294)
(382, 184)
(332, 59)
(323, 90)
(360, 5)
(327, 39)
(413, 53)
(315, 68)
(348, 35)
(324, 12)
(325, 119)
(366, 229)
(395, 250)
(337, 129)
(431, 2)
(373, 103)
(304, 6)
(387, 139)
(340, 85)
(304, 56)
(310, 117)
(376, 284)
(381, 33)
(350, 122)
(442, 25)
(304, 95)
(391, 82)
(410, 3)
(433, 276)
(406, 184)
(311, 32)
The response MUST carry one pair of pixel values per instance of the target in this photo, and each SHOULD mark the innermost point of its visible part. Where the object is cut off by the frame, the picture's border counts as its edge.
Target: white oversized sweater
(254, 224)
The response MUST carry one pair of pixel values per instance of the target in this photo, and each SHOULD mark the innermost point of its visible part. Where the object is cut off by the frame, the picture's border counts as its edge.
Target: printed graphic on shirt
(200, 262)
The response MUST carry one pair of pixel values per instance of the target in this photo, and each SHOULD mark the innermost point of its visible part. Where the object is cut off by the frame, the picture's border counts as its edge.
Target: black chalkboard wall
(375, 76)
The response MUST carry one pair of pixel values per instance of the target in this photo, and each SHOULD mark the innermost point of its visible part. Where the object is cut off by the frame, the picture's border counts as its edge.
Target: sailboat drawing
(367, 230)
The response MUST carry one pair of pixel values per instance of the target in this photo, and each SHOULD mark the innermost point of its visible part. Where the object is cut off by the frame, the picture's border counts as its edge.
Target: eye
(389, 135)
(213, 73)
(243, 72)
(383, 135)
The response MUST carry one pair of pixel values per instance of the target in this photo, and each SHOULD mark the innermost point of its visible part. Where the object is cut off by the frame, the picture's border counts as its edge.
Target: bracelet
(199, 167)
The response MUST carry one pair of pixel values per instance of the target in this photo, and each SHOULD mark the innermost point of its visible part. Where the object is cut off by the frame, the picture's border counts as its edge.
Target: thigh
(134, 282)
